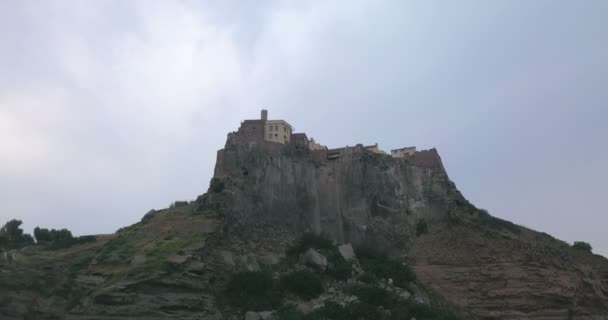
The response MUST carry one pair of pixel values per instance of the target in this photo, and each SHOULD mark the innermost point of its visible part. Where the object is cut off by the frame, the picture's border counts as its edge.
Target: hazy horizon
(110, 108)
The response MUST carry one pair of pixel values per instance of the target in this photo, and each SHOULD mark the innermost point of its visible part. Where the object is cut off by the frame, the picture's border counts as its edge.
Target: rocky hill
(420, 250)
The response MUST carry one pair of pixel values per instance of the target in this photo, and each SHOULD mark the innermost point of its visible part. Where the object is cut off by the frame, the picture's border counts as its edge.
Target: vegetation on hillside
(581, 245)
(261, 291)
(13, 237)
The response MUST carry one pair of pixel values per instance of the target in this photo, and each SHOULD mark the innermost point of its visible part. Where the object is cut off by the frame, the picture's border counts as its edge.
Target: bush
(409, 310)
(581, 245)
(289, 312)
(340, 269)
(304, 284)
(310, 240)
(374, 295)
(381, 266)
(353, 311)
(368, 278)
(253, 291)
(421, 228)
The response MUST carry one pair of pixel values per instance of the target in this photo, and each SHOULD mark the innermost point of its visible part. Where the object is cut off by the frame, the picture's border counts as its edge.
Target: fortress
(262, 131)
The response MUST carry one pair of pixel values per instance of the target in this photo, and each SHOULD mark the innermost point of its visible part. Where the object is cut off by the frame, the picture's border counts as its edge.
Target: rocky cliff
(493, 268)
(263, 196)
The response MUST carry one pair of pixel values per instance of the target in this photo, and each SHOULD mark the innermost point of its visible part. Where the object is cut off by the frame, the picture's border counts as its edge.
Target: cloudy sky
(111, 108)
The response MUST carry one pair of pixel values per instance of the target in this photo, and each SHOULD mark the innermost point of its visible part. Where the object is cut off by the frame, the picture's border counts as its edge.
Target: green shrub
(353, 311)
(581, 245)
(289, 312)
(368, 278)
(307, 241)
(363, 311)
(381, 266)
(304, 284)
(340, 269)
(375, 296)
(409, 310)
(421, 228)
(253, 291)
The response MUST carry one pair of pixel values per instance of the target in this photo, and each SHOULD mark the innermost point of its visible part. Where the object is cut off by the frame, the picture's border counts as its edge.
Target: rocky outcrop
(273, 189)
(491, 268)
(175, 262)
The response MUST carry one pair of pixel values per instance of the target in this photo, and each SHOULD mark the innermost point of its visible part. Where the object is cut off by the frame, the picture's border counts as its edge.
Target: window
(284, 129)
(270, 129)
(270, 136)
(276, 128)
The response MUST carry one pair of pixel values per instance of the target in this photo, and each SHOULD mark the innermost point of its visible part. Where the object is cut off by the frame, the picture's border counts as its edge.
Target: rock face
(492, 268)
(358, 197)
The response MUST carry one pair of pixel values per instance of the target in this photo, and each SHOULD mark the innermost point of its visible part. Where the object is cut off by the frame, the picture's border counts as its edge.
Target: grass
(121, 247)
(488, 220)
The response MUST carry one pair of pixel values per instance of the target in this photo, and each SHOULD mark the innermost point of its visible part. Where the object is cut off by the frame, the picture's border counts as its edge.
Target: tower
(264, 114)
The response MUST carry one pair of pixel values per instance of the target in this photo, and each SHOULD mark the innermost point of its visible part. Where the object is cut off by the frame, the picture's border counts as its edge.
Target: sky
(111, 108)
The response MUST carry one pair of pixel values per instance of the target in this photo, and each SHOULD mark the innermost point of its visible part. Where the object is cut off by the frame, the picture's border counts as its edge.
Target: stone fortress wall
(261, 131)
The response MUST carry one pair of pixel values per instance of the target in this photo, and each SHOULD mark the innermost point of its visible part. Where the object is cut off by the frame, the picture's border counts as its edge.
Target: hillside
(181, 262)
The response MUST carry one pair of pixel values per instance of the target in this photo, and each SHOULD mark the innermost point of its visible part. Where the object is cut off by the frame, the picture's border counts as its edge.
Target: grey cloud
(110, 108)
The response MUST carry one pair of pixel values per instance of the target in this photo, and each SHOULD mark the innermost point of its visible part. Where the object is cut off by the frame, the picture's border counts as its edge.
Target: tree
(581, 245)
(42, 235)
(12, 235)
(3, 240)
(11, 229)
(45, 236)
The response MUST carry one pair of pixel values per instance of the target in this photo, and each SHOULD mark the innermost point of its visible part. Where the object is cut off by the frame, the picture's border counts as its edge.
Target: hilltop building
(280, 131)
(374, 148)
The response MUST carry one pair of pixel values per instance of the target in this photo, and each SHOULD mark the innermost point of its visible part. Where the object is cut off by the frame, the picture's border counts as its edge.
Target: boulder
(347, 252)
(266, 315)
(148, 216)
(178, 204)
(313, 257)
(7, 257)
(227, 258)
(249, 263)
(269, 259)
(250, 315)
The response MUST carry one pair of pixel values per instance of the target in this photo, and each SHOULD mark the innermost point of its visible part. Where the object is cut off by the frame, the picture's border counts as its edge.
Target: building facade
(403, 152)
(278, 131)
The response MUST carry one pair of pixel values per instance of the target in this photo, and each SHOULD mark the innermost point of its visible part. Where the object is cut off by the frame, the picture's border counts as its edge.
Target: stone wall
(403, 152)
